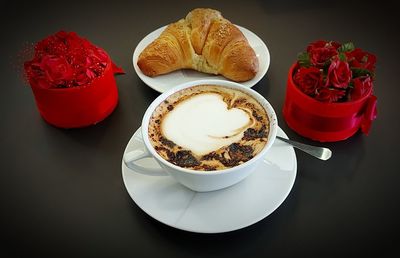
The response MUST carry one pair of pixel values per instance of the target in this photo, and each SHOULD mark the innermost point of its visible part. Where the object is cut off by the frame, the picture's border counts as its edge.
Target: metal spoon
(318, 152)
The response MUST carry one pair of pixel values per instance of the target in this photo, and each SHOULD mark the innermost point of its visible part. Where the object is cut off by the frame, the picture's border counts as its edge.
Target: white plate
(229, 209)
(164, 82)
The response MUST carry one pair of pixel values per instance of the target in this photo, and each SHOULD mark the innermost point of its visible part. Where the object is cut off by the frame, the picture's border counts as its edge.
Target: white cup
(200, 181)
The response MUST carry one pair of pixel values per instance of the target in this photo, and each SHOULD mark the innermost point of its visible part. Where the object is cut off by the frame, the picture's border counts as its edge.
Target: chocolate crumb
(239, 102)
(170, 107)
(185, 159)
(229, 162)
(235, 155)
(170, 154)
(167, 142)
(256, 116)
(252, 134)
(210, 156)
(208, 168)
(240, 152)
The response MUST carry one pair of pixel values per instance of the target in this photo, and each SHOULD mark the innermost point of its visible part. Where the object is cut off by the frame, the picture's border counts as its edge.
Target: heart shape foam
(203, 123)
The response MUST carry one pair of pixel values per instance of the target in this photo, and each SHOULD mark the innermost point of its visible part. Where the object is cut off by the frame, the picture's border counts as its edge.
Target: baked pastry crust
(203, 41)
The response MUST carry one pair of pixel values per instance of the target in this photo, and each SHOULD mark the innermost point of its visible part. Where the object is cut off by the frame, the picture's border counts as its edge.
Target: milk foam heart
(208, 127)
(203, 123)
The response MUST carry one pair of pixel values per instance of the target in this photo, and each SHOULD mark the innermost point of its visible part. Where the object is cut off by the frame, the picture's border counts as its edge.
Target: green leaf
(304, 59)
(357, 72)
(342, 57)
(346, 47)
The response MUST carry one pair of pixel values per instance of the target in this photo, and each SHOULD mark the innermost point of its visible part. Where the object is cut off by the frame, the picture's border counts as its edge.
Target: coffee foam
(208, 127)
(204, 123)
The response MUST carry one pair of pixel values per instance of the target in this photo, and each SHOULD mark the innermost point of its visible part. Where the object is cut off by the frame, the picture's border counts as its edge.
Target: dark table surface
(62, 193)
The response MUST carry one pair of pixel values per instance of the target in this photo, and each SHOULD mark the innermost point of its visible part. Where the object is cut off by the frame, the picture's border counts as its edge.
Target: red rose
(320, 56)
(361, 59)
(316, 44)
(323, 43)
(57, 71)
(339, 74)
(54, 45)
(82, 78)
(329, 94)
(35, 74)
(100, 56)
(322, 51)
(71, 40)
(308, 79)
(361, 86)
(96, 60)
(330, 71)
(65, 60)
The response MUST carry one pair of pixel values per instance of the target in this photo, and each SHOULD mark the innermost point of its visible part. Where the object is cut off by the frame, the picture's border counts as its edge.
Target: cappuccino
(208, 127)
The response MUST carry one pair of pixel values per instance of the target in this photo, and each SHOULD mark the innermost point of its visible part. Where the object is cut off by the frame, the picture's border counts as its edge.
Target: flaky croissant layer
(203, 41)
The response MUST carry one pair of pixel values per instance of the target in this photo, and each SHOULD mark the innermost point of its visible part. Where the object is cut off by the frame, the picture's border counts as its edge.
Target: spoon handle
(318, 152)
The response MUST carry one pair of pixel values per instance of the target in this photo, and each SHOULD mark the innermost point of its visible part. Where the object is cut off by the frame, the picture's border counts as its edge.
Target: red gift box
(326, 122)
(79, 106)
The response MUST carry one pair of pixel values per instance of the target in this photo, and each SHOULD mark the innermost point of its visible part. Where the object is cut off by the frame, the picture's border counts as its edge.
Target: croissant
(203, 41)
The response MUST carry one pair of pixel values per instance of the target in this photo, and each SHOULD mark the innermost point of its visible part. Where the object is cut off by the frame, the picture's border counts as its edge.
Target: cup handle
(131, 157)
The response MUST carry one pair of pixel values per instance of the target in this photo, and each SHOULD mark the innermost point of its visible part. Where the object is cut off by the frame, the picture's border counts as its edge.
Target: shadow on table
(344, 164)
(316, 180)
(237, 243)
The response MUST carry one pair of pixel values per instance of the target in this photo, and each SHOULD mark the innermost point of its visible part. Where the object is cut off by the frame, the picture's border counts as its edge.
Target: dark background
(61, 191)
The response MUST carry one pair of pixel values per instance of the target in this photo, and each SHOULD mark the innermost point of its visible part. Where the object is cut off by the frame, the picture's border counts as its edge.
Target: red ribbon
(116, 69)
(327, 121)
(370, 114)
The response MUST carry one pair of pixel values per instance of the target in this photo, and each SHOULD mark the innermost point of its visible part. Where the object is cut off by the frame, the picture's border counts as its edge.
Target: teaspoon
(318, 152)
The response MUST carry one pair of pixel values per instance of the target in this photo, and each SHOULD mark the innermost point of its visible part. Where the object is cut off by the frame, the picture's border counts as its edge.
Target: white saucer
(162, 83)
(229, 209)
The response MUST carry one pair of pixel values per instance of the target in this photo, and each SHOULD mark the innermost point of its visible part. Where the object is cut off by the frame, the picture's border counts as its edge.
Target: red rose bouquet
(72, 80)
(330, 91)
(332, 72)
(65, 60)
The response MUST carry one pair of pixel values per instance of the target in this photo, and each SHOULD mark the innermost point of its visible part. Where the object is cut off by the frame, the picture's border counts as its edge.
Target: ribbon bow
(370, 114)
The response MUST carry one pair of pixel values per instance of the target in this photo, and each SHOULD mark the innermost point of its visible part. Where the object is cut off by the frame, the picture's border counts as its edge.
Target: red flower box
(326, 121)
(79, 106)
(72, 81)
